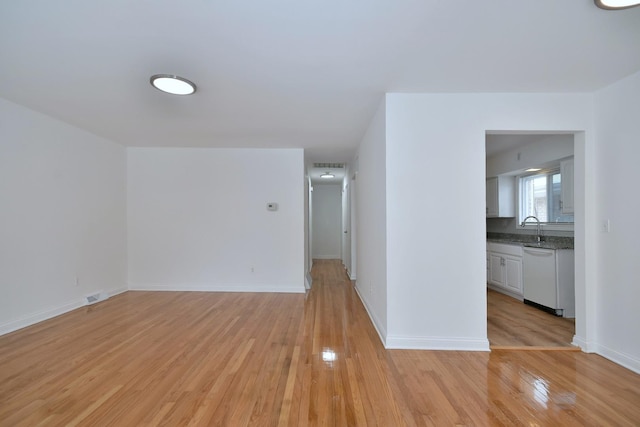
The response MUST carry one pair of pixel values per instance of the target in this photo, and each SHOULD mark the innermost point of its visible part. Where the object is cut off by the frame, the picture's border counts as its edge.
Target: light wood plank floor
(225, 359)
(511, 323)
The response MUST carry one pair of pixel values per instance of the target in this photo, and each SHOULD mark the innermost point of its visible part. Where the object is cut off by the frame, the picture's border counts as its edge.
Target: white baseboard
(49, 313)
(380, 329)
(118, 291)
(507, 292)
(583, 344)
(217, 288)
(437, 343)
(628, 361)
(40, 316)
(351, 276)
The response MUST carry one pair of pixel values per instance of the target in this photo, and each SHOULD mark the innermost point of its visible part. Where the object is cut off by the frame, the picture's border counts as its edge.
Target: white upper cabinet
(501, 197)
(566, 172)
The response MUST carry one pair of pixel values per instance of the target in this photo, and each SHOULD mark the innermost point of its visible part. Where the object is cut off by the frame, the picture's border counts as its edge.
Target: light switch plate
(272, 206)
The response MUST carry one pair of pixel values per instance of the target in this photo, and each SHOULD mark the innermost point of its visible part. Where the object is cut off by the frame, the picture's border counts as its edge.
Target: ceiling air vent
(329, 165)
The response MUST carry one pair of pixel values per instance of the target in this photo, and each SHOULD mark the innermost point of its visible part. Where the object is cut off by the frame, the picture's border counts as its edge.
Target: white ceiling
(499, 143)
(291, 73)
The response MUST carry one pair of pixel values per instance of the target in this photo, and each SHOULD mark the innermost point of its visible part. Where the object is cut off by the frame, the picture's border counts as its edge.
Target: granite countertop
(548, 242)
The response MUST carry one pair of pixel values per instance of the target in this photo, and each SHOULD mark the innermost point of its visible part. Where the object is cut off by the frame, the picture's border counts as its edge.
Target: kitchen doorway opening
(511, 323)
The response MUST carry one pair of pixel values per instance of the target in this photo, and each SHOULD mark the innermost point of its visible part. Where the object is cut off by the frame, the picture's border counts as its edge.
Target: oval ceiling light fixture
(327, 175)
(172, 84)
(616, 4)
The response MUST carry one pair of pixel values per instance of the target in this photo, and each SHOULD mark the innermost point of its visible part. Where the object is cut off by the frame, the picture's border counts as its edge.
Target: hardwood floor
(234, 359)
(510, 323)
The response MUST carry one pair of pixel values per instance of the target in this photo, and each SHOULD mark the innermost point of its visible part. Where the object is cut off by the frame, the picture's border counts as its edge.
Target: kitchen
(530, 245)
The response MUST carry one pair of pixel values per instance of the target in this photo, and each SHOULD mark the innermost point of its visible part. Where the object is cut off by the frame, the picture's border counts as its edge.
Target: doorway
(332, 214)
(511, 157)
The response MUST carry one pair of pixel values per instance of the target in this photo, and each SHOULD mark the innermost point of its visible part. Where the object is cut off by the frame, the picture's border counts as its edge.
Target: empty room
(319, 213)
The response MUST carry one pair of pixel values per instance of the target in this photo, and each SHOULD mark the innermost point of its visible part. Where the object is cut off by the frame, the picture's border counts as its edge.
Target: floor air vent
(94, 298)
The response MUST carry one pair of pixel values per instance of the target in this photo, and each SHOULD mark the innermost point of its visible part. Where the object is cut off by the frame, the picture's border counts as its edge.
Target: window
(540, 195)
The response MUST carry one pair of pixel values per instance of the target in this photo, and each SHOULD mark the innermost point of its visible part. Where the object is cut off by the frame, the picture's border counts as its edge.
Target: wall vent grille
(329, 165)
(94, 298)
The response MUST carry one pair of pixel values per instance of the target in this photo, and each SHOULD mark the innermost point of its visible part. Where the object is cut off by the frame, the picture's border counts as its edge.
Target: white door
(346, 226)
(327, 221)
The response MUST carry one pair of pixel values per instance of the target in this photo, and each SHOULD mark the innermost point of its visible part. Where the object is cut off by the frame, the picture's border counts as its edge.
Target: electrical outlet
(606, 226)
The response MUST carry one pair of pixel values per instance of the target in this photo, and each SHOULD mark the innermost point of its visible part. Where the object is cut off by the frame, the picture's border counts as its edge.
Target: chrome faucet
(539, 235)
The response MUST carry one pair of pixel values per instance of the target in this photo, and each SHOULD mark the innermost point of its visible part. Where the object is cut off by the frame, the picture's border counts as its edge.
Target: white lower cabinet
(513, 269)
(504, 268)
(497, 271)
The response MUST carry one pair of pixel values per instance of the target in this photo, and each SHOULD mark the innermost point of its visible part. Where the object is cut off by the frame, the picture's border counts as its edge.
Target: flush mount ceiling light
(327, 175)
(616, 4)
(533, 170)
(174, 85)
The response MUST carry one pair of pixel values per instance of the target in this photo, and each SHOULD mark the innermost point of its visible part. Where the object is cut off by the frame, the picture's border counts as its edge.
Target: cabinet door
(500, 192)
(492, 197)
(496, 270)
(513, 274)
(566, 186)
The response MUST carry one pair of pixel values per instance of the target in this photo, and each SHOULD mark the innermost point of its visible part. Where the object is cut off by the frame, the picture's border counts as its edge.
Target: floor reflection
(354, 380)
(329, 356)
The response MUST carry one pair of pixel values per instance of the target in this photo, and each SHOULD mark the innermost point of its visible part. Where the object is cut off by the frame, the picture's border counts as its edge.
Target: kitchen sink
(533, 244)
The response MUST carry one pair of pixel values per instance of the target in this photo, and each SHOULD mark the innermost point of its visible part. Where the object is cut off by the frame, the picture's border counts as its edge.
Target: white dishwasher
(548, 280)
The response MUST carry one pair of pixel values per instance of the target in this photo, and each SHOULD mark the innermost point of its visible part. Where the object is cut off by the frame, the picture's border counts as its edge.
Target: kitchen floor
(512, 324)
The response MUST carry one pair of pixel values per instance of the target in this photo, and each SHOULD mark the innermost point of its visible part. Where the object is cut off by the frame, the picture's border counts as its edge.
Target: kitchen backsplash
(508, 226)
(551, 242)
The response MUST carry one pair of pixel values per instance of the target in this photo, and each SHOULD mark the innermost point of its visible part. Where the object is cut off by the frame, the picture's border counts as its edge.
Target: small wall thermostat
(272, 206)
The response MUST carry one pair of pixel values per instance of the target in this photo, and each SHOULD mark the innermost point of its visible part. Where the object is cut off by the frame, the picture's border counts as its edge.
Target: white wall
(618, 151)
(308, 261)
(346, 221)
(310, 228)
(353, 223)
(435, 158)
(327, 221)
(197, 219)
(371, 221)
(62, 217)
